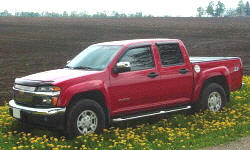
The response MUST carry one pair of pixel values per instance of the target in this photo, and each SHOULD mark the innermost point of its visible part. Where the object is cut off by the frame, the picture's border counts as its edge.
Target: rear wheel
(83, 117)
(214, 101)
(213, 98)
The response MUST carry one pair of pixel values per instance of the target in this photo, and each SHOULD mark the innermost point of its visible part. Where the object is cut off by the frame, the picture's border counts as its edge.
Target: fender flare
(93, 85)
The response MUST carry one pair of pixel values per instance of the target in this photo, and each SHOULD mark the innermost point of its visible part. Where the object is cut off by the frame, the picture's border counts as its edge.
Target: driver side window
(140, 58)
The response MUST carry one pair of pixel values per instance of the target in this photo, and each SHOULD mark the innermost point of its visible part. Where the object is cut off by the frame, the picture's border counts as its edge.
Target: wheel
(83, 117)
(213, 98)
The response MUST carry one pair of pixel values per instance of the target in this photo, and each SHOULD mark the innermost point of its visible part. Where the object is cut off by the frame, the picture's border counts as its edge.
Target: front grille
(24, 97)
(29, 99)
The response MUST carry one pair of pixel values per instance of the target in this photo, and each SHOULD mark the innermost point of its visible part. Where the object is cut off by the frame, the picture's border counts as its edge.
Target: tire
(213, 98)
(83, 117)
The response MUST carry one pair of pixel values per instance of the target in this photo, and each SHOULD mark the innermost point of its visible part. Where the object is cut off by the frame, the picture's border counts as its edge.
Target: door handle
(152, 75)
(183, 70)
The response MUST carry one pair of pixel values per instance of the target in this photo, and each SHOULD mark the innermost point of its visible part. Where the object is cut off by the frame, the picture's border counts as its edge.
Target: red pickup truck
(124, 80)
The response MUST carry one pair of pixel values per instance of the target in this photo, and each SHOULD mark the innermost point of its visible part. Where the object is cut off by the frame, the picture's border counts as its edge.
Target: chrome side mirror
(122, 67)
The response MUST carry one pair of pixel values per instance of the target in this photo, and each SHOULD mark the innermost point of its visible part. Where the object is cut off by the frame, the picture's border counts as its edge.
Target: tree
(84, 14)
(220, 9)
(65, 14)
(210, 9)
(73, 14)
(201, 11)
(247, 9)
(5, 13)
(138, 14)
(231, 12)
(17, 14)
(241, 7)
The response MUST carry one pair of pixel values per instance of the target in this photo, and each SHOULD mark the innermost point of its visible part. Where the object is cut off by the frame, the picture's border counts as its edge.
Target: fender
(201, 77)
(68, 94)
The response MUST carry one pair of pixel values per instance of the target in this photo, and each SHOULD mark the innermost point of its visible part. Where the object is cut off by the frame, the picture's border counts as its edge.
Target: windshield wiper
(84, 67)
(68, 67)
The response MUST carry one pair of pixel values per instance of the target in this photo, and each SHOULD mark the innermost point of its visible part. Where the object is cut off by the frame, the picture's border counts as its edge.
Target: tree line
(219, 10)
(213, 10)
(75, 14)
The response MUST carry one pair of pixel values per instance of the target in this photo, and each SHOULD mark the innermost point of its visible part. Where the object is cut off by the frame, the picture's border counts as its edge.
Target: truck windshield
(95, 57)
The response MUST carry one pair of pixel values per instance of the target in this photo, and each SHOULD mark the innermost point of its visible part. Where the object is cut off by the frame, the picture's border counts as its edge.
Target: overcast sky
(184, 8)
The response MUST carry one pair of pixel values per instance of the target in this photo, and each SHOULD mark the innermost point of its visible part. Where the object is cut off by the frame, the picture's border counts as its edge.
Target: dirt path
(241, 144)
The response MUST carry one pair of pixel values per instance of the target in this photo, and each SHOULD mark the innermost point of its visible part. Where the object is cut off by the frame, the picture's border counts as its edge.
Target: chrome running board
(150, 114)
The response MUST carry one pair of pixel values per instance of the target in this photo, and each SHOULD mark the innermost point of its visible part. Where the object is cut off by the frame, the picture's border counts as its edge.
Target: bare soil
(30, 45)
(240, 144)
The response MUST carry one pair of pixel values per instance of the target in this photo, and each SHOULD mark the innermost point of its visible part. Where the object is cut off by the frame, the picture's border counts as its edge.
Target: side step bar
(150, 114)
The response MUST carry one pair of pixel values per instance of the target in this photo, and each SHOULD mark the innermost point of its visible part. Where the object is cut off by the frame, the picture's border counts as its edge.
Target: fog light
(47, 100)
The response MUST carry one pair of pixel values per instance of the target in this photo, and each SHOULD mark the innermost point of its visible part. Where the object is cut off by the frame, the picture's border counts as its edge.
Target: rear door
(138, 88)
(176, 74)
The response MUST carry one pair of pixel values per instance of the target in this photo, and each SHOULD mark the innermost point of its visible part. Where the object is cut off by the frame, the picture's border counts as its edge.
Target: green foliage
(247, 9)
(231, 12)
(210, 9)
(65, 14)
(5, 13)
(241, 7)
(30, 14)
(220, 9)
(201, 11)
(74, 14)
(217, 11)
(100, 15)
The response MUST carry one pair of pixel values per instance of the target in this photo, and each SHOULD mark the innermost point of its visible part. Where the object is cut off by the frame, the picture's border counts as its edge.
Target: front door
(136, 89)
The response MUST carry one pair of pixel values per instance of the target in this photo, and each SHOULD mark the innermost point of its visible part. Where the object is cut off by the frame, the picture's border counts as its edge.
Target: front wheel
(83, 117)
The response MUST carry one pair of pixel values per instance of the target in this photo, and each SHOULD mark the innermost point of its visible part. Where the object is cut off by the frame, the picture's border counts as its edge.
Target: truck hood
(58, 75)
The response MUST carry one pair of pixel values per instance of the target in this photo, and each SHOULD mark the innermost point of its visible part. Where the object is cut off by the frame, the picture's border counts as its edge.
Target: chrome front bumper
(37, 111)
(47, 117)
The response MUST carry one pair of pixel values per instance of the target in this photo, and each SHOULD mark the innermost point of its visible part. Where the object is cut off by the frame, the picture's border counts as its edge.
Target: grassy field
(174, 131)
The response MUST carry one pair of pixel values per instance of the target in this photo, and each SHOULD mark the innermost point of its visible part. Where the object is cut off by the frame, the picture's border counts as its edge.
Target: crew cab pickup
(123, 80)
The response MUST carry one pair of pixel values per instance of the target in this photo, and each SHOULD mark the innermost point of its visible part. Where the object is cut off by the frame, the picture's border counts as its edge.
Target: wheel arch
(95, 95)
(221, 80)
(219, 75)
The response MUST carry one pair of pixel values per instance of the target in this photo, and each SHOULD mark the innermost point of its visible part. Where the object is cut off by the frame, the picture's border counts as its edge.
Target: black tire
(208, 91)
(75, 110)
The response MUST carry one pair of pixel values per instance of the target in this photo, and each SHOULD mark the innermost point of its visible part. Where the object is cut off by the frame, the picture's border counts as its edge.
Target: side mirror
(122, 67)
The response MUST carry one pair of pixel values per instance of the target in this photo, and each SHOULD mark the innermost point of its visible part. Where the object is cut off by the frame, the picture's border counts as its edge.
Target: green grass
(172, 131)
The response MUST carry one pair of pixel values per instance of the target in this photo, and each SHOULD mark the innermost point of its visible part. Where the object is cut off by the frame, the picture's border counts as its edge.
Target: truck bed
(233, 65)
(206, 59)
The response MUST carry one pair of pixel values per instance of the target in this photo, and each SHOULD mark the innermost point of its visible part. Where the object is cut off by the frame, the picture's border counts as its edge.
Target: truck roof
(137, 41)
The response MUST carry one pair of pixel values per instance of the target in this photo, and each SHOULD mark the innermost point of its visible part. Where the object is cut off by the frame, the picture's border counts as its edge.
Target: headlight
(48, 89)
(52, 93)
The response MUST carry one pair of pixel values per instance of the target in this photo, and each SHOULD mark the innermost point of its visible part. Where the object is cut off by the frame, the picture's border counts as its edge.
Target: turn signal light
(54, 100)
(56, 88)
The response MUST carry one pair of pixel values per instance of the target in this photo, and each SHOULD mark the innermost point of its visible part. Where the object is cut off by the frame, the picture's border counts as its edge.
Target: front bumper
(49, 117)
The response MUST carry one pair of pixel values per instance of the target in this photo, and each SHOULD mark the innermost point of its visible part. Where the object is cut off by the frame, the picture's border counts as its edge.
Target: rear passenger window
(170, 54)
